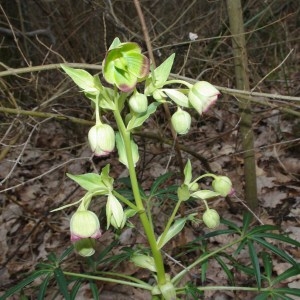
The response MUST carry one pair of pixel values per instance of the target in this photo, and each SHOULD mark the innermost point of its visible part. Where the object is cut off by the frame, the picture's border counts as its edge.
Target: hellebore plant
(124, 67)
(132, 93)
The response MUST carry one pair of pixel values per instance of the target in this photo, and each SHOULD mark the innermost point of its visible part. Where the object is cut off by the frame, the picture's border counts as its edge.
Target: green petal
(138, 64)
(108, 65)
(125, 81)
(130, 47)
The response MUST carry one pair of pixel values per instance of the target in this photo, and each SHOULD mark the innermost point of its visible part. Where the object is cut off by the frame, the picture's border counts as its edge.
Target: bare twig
(166, 107)
(272, 71)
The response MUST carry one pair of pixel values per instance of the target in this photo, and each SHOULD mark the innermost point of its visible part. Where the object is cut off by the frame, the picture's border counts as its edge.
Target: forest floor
(36, 153)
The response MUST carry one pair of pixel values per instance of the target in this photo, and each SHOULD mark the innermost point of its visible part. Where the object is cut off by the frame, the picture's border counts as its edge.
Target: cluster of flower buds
(223, 186)
(201, 96)
(123, 67)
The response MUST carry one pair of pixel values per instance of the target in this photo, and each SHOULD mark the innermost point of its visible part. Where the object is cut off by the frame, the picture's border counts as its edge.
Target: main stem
(161, 275)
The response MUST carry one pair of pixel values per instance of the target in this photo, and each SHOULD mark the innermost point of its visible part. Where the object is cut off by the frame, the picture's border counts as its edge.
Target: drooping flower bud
(138, 103)
(211, 218)
(114, 212)
(181, 121)
(202, 95)
(222, 185)
(101, 139)
(84, 224)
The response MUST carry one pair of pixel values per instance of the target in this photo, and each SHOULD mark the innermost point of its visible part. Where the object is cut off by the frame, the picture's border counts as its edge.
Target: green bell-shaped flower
(101, 139)
(202, 95)
(222, 185)
(181, 121)
(211, 218)
(84, 224)
(124, 65)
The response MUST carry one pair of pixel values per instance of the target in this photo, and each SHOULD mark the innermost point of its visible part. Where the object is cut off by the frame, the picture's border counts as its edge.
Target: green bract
(122, 150)
(124, 64)
(114, 212)
(143, 261)
(84, 80)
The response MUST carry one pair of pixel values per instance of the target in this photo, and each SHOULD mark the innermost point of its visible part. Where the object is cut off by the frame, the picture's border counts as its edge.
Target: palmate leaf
(263, 296)
(75, 288)
(255, 263)
(279, 237)
(247, 218)
(232, 226)
(192, 292)
(62, 283)
(158, 182)
(225, 269)
(204, 268)
(19, 286)
(268, 266)
(66, 253)
(43, 287)
(94, 290)
(278, 294)
(275, 250)
(288, 291)
(262, 229)
(292, 271)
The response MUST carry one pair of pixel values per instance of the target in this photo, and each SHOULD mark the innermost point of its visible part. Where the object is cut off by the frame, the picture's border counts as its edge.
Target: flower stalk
(148, 227)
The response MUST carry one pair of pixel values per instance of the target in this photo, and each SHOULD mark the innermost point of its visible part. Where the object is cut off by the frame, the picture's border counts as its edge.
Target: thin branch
(272, 70)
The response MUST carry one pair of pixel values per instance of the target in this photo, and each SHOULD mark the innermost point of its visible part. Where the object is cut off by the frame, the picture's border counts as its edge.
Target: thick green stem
(158, 259)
